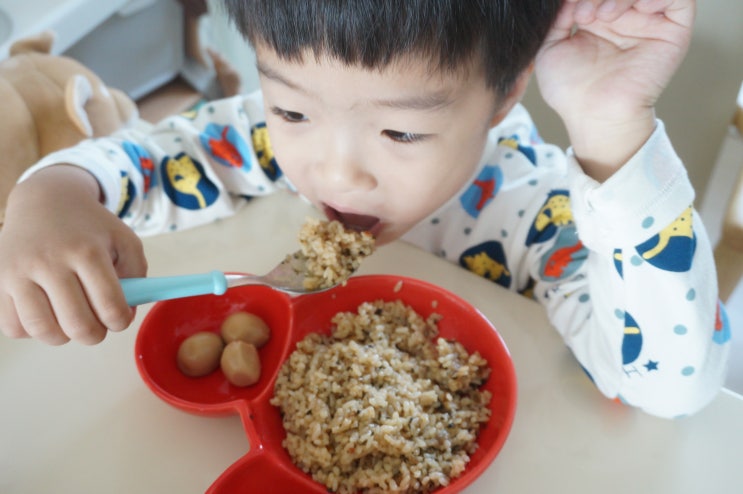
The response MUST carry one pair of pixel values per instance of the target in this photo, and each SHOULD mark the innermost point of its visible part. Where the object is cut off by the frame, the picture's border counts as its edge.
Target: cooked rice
(332, 252)
(380, 406)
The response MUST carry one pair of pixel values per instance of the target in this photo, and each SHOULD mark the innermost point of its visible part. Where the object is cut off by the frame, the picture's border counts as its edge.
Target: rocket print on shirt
(482, 190)
(555, 219)
(226, 146)
(722, 325)
(565, 257)
(143, 162)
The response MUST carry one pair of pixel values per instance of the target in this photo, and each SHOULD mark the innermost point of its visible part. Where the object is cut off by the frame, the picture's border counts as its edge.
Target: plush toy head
(49, 103)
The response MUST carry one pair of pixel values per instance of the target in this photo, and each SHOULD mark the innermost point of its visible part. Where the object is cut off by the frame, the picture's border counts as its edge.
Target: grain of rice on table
(382, 404)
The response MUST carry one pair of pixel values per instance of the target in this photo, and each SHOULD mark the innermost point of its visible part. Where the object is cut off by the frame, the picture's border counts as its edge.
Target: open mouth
(354, 221)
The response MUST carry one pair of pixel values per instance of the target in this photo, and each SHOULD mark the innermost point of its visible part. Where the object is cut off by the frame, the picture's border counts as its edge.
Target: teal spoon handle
(143, 290)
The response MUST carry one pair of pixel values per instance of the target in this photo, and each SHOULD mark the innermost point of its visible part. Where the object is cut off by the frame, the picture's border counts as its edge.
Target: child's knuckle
(114, 317)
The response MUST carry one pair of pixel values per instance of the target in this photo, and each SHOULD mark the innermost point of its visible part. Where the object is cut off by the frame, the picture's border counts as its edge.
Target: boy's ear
(514, 96)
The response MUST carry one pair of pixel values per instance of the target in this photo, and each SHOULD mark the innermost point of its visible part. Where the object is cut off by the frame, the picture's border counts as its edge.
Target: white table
(77, 419)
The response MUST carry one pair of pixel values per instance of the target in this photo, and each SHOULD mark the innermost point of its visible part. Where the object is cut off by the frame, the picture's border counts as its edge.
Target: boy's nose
(344, 168)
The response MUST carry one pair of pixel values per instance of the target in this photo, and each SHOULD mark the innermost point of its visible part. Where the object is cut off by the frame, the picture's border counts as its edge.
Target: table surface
(79, 419)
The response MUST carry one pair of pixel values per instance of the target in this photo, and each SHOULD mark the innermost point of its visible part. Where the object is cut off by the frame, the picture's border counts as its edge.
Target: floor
(172, 98)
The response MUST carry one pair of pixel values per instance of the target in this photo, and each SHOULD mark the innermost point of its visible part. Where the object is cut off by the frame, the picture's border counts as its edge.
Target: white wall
(217, 31)
(699, 102)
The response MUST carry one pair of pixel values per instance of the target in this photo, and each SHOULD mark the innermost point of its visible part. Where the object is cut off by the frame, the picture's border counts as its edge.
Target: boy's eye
(404, 137)
(289, 116)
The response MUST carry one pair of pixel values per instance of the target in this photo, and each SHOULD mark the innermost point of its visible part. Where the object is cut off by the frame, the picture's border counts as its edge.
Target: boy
(402, 118)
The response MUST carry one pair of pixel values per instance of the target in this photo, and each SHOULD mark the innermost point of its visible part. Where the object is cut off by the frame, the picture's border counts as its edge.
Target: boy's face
(378, 150)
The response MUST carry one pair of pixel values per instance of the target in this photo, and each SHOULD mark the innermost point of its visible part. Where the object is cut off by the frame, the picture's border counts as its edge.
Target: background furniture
(724, 205)
(722, 213)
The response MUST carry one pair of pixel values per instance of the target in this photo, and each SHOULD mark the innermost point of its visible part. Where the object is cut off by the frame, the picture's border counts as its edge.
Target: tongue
(358, 222)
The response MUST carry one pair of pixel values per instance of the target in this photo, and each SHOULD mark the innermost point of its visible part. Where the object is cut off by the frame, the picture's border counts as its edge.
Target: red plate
(267, 467)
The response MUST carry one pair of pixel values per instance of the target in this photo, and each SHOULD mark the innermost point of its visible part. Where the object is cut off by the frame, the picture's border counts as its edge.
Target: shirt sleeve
(656, 335)
(188, 170)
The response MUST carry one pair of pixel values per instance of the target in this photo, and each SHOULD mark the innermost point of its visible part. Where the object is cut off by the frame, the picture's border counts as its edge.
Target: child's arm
(64, 245)
(61, 255)
(188, 170)
(649, 329)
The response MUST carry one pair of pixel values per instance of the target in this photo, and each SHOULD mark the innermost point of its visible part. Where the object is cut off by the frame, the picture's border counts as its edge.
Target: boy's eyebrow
(272, 74)
(423, 102)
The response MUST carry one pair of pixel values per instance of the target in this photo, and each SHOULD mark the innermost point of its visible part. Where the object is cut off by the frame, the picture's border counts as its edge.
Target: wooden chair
(729, 248)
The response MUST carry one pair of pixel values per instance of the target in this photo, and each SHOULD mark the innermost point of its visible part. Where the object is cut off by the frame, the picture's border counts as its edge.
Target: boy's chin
(388, 235)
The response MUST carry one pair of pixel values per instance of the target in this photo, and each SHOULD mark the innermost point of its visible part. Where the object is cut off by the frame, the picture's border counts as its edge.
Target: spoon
(288, 276)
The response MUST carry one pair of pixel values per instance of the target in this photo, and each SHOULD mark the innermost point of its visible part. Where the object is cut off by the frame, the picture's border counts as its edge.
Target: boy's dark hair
(504, 34)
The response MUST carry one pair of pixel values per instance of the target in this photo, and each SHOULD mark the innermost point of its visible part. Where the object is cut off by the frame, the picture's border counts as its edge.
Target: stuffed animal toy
(49, 103)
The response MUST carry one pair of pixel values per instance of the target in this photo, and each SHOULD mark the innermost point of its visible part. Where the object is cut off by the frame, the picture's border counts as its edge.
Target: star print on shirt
(651, 365)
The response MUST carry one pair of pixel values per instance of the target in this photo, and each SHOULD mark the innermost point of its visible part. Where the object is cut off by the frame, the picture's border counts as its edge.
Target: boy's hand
(605, 79)
(61, 256)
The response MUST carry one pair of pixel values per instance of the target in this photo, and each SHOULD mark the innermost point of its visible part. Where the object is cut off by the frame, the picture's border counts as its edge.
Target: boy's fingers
(10, 325)
(101, 281)
(681, 12)
(73, 311)
(103, 293)
(587, 11)
(36, 315)
(610, 10)
(104, 286)
(563, 24)
(130, 260)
